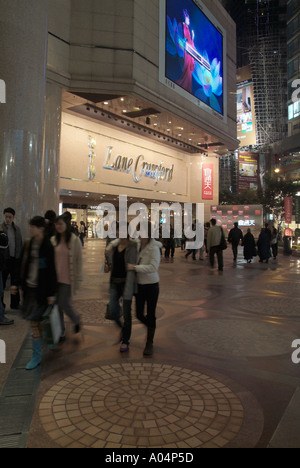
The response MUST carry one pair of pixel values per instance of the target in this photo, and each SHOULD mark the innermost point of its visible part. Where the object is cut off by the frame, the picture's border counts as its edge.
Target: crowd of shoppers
(47, 268)
(214, 244)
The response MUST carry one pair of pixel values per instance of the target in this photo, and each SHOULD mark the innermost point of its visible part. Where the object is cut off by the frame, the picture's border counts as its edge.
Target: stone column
(23, 59)
(51, 147)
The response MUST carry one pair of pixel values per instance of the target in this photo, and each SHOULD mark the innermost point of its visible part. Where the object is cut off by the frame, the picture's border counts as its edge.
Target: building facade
(86, 95)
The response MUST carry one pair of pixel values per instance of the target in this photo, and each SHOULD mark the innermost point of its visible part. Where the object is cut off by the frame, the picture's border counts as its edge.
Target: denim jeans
(147, 294)
(116, 292)
(63, 301)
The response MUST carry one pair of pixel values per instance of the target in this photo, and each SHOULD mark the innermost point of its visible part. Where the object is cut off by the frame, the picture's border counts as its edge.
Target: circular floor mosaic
(236, 338)
(141, 405)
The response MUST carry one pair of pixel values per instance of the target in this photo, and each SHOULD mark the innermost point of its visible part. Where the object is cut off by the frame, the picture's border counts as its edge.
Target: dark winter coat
(3, 248)
(47, 281)
(235, 236)
(264, 245)
(18, 241)
(249, 246)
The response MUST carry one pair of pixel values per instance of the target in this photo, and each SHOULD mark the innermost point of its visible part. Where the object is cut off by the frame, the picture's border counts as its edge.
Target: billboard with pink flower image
(193, 53)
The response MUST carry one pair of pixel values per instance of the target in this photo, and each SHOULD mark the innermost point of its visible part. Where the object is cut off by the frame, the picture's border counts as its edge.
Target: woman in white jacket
(68, 263)
(148, 287)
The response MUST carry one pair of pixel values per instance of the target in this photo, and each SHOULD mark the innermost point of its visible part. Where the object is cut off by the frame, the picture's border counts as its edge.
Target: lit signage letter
(107, 160)
(137, 177)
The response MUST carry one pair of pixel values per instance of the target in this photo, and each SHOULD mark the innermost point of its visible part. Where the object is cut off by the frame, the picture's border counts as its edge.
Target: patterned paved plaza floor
(141, 405)
(221, 374)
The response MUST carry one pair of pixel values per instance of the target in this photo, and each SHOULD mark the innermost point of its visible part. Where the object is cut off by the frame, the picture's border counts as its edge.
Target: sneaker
(6, 321)
(124, 348)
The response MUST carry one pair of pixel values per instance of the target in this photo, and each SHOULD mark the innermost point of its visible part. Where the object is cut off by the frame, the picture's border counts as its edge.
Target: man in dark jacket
(234, 238)
(12, 255)
(3, 247)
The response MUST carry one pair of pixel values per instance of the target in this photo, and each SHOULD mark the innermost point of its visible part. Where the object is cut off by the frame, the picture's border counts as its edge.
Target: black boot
(148, 351)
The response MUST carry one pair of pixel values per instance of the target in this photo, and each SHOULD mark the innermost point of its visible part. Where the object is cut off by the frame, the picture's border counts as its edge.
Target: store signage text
(138, 167)
(208, 182)
(288, 208)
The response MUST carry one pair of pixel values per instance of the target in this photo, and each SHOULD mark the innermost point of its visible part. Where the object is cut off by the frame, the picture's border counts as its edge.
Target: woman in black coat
(264, 246)
(38, 281)
(249, 246)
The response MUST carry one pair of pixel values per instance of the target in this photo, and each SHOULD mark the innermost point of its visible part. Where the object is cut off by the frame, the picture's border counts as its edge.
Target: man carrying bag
(216, 243)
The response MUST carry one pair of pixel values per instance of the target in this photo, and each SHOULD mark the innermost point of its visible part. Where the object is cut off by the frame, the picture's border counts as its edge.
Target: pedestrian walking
(68, 265)
(274, 243)
(263, 245)
(148, 287)
(120, 253)
(249, 246)
(170, 245)
(192, 252)
(12, 256)
(214, 238)
(50, 217)
(82, 232)
(38, 282)
(3, 247)
(234, 238)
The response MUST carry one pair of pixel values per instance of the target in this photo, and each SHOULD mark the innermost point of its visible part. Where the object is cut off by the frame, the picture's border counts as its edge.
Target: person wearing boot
(148, 287)
(38, 282)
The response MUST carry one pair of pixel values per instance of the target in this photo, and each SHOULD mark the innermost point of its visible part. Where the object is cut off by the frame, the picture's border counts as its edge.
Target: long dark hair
(68, 231)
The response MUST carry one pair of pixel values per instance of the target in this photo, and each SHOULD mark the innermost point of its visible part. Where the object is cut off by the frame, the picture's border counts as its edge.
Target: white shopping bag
(56, 327)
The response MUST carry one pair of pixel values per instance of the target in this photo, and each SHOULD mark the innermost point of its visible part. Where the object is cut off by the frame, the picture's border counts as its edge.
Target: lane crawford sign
(138, 167)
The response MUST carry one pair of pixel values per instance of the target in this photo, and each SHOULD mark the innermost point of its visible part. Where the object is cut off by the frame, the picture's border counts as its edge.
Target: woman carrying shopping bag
(38, 281)
(68, 263)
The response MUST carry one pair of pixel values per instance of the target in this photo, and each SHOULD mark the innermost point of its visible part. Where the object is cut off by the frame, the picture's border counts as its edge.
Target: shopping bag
(52, 325)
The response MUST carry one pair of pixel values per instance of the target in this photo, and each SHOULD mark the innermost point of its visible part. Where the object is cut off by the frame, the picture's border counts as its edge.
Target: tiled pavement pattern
(221, 374)
(141, 405)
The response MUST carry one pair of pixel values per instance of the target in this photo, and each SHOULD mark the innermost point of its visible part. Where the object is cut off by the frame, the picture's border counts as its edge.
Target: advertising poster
(194, 53)
(248, 174)
(250, 216)
(246, 131)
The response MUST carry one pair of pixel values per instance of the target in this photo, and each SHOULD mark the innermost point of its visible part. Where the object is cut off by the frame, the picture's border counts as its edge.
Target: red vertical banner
(207, 182)
(288, 208)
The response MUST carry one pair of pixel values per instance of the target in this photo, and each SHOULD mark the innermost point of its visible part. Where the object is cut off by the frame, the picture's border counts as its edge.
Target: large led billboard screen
(192, 48)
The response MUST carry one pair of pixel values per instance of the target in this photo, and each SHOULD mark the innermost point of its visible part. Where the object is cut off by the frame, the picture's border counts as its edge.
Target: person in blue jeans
(120, 253)
(3, 246)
